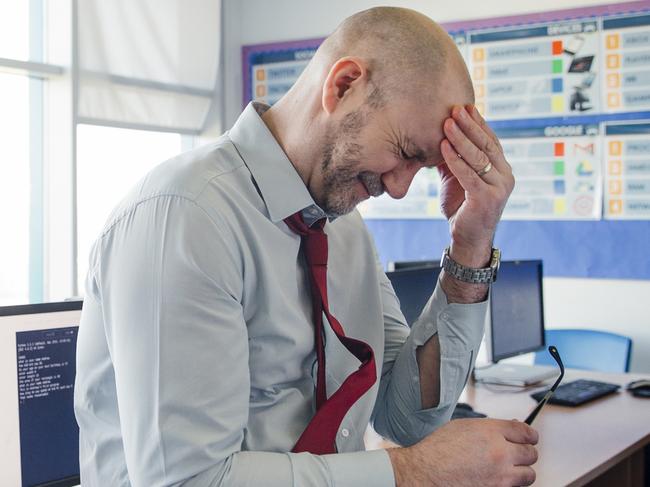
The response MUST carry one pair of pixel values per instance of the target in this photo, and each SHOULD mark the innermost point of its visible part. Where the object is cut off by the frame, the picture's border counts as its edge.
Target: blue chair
(589, 350)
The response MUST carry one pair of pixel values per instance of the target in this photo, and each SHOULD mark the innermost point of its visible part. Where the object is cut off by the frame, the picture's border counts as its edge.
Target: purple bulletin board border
(550, 16)
(460, 26)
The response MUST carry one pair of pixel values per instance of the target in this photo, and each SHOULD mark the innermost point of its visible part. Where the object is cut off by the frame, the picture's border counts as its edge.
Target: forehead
(419, 118)
(419, 129)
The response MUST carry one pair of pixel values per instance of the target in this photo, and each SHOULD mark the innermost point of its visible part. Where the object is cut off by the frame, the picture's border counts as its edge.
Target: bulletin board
(568, 94)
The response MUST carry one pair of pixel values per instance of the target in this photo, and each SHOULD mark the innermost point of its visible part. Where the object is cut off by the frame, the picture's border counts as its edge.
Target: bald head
(368, 110)
(406, 52)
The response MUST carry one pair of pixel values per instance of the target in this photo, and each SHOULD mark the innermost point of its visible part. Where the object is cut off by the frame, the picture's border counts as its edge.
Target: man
(201, 361)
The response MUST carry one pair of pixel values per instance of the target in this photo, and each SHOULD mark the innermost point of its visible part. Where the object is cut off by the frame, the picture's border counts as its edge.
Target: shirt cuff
(361, 468)
(459, 326)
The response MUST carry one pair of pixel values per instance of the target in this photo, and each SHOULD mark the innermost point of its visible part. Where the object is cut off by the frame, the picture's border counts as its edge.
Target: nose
(397, 182)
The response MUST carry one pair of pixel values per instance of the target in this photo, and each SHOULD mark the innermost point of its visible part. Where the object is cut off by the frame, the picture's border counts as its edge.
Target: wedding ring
(485, 170)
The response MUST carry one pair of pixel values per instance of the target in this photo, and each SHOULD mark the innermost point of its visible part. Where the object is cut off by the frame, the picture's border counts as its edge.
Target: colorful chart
(557, 171)
(627, 181)
(626, 47)
(535, 71)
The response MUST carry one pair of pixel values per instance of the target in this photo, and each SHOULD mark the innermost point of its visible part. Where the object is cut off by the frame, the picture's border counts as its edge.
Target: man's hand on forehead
(474, 156)
(476, 183)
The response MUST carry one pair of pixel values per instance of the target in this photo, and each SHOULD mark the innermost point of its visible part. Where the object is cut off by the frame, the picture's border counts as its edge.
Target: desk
(597, 444)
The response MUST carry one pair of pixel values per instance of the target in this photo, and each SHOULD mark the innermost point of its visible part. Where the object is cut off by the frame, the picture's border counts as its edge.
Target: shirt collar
(278, 182)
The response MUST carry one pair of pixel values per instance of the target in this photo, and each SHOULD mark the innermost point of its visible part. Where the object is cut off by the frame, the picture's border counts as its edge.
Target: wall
(614, 305)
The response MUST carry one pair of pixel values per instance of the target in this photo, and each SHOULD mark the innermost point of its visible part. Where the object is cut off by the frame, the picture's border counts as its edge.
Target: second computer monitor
(517, 310)
(516, 305)
(413, 288)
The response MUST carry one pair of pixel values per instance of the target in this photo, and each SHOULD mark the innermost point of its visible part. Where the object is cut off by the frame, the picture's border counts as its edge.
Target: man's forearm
(428, 357)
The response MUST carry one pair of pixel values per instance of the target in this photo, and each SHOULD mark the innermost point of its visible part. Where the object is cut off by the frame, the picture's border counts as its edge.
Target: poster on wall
(535, 71)
(626, 48)
(557, 171)
(627, 162)
(271, 70)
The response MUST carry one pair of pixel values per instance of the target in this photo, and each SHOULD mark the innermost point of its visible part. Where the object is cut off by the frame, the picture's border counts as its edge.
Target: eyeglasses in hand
(555, 354)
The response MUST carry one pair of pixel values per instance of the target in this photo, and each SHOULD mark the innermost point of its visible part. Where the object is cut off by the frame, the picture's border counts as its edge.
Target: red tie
(320, 435)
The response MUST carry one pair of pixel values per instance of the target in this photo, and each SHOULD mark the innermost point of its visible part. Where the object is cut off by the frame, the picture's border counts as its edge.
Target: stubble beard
(339, 167)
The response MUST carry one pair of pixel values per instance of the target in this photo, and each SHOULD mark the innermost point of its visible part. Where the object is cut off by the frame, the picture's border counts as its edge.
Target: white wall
(606, 304)
(613, 305)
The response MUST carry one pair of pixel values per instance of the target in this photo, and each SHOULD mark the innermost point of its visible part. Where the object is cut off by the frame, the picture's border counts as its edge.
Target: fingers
(484, 140)
(481, 141)
(523, 476)
(524, 455)
(464, 173)
(476, 116)
(517, 432)
(461, 139)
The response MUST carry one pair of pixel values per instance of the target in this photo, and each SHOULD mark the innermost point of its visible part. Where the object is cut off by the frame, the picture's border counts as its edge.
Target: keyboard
(578, 392)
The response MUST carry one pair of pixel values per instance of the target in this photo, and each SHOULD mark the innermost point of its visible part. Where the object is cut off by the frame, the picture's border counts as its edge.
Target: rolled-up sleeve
(398, 414)
(173, 321)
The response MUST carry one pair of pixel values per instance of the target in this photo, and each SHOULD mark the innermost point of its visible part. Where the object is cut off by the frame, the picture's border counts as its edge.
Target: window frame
(52, 70)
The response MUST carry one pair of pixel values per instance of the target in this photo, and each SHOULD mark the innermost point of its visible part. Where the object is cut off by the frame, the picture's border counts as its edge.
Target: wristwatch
(485, 275)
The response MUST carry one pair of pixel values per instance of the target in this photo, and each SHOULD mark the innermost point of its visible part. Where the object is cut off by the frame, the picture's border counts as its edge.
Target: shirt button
(345, 432)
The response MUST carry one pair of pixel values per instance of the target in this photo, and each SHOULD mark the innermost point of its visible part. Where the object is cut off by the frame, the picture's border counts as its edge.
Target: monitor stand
(514, 374)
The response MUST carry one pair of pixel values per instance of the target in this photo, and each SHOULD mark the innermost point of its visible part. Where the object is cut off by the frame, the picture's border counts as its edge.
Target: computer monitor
(39, 436)
(401, 265)
(517, 310)
(413, 288)
(516, 307)
(516, 315)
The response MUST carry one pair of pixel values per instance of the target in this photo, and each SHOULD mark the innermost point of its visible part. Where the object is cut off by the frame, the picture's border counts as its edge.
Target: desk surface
(576, 444)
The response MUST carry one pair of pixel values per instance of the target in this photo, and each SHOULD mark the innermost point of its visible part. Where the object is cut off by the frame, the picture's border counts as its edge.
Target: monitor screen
(413, 288)
(38, 431)
(517, 309)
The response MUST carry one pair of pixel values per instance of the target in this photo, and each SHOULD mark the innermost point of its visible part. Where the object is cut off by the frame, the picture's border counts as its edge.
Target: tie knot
(314, 238)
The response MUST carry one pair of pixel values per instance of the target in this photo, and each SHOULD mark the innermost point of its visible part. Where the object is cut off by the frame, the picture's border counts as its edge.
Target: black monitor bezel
(540, 277)
(32, 309)
(405, 265)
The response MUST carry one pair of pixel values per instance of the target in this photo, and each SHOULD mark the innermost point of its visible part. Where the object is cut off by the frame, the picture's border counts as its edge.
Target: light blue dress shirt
(196, 361)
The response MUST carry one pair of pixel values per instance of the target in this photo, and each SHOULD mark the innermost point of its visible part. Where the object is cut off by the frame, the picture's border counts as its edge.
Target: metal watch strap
(484, 275)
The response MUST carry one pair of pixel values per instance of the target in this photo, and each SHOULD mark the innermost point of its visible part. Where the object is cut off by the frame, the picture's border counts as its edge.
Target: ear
(348, 75)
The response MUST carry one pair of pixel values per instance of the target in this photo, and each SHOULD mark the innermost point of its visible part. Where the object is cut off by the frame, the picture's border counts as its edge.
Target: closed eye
(404, 155)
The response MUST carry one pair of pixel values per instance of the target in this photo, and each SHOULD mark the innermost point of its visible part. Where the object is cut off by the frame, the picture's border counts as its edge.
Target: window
(62, 172)
(109, 162)
(14, 29)
(14, 189)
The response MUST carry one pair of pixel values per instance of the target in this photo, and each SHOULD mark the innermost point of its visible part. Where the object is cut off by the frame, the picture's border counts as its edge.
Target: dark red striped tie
(320, 435)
